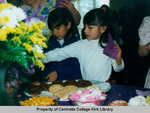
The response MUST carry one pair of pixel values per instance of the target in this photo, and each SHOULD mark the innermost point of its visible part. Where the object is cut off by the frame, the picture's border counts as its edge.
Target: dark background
(136, 67)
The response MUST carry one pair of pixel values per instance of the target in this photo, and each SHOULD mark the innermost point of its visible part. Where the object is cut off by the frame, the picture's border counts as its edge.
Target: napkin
(143, 93)
(110, 48)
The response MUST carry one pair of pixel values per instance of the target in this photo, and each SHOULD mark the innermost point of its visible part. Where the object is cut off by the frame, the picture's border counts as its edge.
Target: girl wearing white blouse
(94, 64)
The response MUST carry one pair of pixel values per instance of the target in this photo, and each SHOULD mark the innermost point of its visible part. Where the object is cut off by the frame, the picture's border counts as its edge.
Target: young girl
(94, 64)
(64, 32)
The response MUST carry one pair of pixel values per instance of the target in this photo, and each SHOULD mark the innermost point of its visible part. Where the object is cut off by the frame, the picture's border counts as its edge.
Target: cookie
(46, 86)
(63, 94)
(84, 83)
(72, 88)
(58, 82)
(55, 87)
(38, 92)
(70, 82)
(33, 88)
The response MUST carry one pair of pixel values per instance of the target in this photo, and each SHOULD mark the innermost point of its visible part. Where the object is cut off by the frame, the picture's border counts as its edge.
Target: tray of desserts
(64, 88)
(40, 101)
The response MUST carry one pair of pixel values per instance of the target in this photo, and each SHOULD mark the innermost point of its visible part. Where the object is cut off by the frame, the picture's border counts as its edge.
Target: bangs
(89, 19)
(94, 17)
(55, 23)
(89, 22)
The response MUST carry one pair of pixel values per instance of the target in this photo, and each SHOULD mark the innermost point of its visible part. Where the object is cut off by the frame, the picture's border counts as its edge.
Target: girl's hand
(119, 51)
(52, 76)
(118, 59)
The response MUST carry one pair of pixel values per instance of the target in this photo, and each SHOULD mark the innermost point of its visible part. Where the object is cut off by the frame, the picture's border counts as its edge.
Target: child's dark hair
(62, 16)
(99, 18)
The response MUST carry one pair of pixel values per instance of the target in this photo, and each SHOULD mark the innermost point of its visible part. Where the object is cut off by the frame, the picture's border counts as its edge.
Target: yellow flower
(3, 36)
(33, 39)
(9, 30)
(19, 31)
(28, 47)
(5, 6)
(16, 40)
(39, 63)
(4, 20)
(38, 55)
(41, 24)
(23, 26)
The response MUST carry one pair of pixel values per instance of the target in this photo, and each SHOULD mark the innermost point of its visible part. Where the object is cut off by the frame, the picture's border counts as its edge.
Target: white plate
(105, 86)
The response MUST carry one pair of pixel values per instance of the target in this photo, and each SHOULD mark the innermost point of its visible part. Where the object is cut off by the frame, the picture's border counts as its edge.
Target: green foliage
(16, 54)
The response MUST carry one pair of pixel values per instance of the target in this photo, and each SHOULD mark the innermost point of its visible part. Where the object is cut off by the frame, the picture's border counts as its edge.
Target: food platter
(105, 86)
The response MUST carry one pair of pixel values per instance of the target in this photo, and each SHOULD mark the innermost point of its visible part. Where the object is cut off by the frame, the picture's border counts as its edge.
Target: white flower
(39, 49)
(14, 14)
(19, 13)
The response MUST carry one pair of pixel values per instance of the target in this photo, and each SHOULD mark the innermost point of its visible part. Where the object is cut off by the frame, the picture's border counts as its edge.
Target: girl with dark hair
(94, 64)
(64, 32)
(60, 17)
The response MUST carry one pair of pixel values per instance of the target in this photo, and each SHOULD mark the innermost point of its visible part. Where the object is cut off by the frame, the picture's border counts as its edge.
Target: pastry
(63, 94)
(55, 87)
(58, 82)
(33, 88)
(91, 87)
(118, 103)
(46, 86)
(72, 88)
(70, 82)
(84, 83)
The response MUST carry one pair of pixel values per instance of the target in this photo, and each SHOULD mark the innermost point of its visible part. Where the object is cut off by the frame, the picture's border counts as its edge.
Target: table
(117, 92)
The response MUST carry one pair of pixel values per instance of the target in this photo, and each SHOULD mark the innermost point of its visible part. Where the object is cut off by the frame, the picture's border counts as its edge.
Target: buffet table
(117, 92)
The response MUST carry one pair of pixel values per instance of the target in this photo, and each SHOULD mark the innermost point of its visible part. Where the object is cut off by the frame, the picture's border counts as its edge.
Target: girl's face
(61, 31)
(30, 2)
(92, 32)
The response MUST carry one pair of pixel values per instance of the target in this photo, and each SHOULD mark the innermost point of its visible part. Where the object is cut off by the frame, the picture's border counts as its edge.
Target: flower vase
(5, 99)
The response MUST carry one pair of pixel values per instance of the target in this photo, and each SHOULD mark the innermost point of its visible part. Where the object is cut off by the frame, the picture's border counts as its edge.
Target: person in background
(94, 64)
(41, 9)
(64, 32)
(144, 44)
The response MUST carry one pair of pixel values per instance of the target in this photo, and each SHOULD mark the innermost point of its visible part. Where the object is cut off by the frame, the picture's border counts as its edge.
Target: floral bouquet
(19, 42)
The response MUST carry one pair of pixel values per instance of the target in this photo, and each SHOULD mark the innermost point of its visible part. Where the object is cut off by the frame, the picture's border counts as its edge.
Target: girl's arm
(118, 59)
(118, 63)
(116, 67)
(60, 54)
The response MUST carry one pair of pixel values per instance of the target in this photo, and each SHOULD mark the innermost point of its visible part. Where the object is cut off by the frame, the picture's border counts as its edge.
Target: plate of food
(38, 90)
(64, 88)
(91, 96)
(40, 101)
